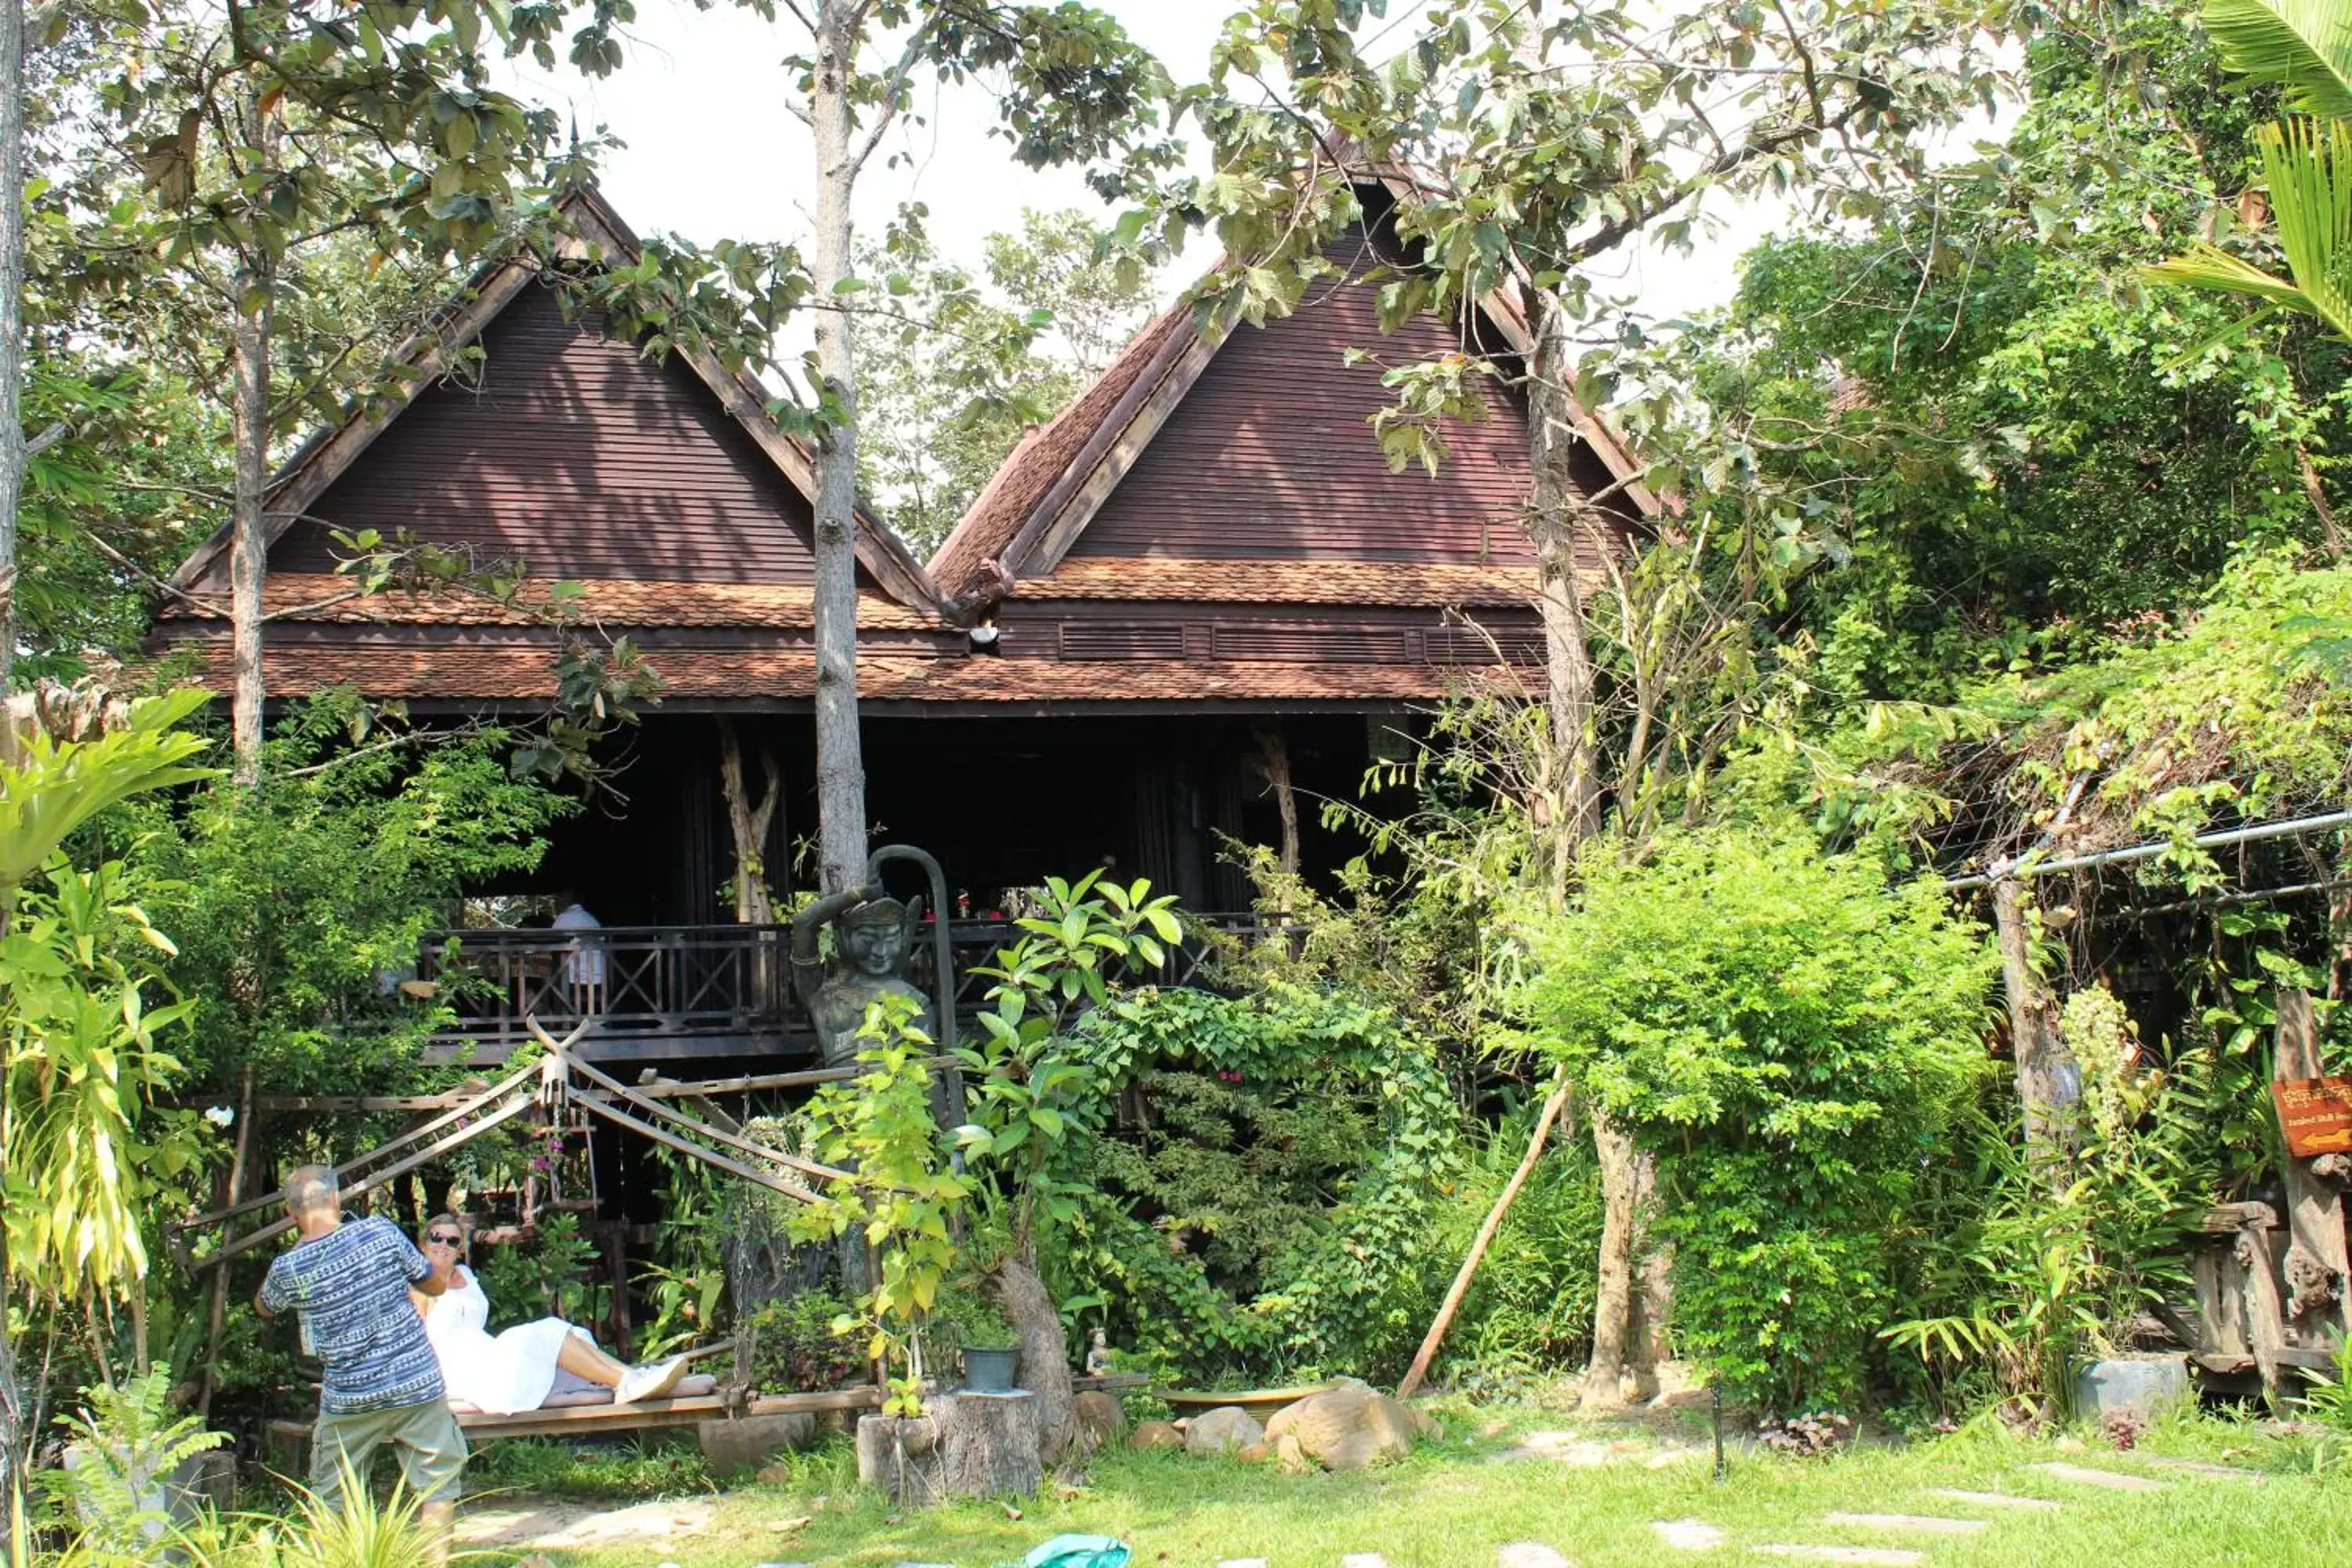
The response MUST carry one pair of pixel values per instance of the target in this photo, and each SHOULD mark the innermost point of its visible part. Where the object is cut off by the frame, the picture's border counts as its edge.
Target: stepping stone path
(1364, 1560)
(1242, 1562)
(1874, 1556)
(1924, 1524)
(1998, 1499)
(1689, 1534)
(1529, 1554)
(2198, 1467)
(2114, 1480)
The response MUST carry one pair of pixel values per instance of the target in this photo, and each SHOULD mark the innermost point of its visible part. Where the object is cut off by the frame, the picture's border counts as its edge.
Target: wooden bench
(590, 1420)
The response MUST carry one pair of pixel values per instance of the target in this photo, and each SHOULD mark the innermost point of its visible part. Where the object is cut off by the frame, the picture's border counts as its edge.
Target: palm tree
(2305, 49)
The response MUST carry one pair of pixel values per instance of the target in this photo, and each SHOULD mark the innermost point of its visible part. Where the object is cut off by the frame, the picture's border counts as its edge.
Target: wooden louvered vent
(1084, 641)
(1464, 645)
(1316, 644)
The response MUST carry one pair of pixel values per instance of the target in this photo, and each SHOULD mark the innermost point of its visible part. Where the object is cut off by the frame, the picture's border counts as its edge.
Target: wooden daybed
(698, 1400)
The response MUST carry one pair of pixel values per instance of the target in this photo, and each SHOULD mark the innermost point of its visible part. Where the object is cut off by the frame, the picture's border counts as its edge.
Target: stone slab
(2198, 1467)
(1688, 1534)
(1364, 1560)
(1998, 1499)
(2114, 1480)
(1529, 1554)
(1865, 1556)
(1242, 1562)
(1921, 1523)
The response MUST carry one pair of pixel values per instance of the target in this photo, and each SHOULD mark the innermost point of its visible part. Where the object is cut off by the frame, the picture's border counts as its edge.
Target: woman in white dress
(500, 1375)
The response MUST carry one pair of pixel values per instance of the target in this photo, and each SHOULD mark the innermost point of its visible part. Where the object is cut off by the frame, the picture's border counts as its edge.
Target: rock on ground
(1225, 1430)
(1155, 1435)
(1345, 1428)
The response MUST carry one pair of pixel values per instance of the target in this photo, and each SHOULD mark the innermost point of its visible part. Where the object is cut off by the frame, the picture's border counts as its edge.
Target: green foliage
(1529, 1310)
(1345, 1290)
(126, 1441)
(652, 1465)
(799, 1345)
(1791, 1037)
(55, 785)
(2019, 1271)
(290, 905)
(548, 1276)
(903, 1192)
(1031, 1098)
(85, 1154)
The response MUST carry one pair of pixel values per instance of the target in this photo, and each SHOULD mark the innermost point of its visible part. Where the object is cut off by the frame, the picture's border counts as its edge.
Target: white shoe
(649, 1382)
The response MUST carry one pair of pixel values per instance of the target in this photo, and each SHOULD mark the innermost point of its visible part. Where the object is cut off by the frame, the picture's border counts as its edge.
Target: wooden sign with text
(2315, 1114)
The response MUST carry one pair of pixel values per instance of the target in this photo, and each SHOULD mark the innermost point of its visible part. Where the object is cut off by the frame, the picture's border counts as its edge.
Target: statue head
(875, 935)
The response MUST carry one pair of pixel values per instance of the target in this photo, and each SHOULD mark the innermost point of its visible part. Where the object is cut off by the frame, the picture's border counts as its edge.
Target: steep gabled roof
(596, 236)
(1023, 525)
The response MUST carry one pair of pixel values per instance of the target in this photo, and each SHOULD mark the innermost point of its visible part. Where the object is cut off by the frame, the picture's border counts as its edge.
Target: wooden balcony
(654, 993)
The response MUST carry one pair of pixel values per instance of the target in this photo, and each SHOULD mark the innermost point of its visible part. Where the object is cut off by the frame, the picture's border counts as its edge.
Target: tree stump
(963, 1445)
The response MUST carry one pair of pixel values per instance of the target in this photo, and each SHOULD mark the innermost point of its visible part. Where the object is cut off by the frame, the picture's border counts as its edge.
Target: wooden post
(217, 1320)
(2316, 1265)
(1435, 1337)
(2048, 1082)
(1274, 766)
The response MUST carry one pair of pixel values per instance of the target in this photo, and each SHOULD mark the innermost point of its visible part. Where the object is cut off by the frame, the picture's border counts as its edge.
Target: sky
(711, 152)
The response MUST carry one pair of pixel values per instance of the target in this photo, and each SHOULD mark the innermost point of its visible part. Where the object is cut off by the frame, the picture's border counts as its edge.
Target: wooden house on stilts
(1201, 574)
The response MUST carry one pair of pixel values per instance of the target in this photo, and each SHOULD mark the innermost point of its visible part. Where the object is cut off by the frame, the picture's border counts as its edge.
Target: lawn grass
(1453, 1504)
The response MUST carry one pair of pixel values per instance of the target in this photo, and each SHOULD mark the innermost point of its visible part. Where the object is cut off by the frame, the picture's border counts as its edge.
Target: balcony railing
(718, 990)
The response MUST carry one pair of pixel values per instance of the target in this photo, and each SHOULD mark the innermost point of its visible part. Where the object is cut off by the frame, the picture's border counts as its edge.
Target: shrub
(1791, 1037)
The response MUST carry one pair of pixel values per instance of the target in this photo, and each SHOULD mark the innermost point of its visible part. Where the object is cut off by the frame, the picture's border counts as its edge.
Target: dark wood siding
(1271, 455)
(578, 456)
(1275, 634)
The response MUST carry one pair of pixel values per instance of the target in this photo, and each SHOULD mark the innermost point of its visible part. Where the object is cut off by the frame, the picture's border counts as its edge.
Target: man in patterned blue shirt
(350, 1284)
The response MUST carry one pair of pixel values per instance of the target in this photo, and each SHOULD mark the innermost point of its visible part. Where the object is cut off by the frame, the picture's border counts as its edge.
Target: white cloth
(585, 965)
(498, 1374)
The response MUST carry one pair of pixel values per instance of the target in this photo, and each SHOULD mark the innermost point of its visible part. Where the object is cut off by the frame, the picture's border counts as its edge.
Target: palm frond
(2301, 46)
(2307, 165)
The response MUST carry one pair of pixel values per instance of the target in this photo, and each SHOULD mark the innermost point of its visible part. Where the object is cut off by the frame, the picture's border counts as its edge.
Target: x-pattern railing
(636, 982)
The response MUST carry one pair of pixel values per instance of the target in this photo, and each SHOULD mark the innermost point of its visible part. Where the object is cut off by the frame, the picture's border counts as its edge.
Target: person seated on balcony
(583, 965)
(500, 1375)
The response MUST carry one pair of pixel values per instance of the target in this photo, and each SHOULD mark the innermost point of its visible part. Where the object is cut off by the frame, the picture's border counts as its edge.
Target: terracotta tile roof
(988, 529)
(325, 598)
(523, 674)
(1257, 582)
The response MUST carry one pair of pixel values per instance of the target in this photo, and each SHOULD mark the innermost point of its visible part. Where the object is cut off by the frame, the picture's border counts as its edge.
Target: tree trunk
(1484, 1239)
(1612, 1303)
(12, 466)
(2048, 1082)
(840, 767)
(754, 904)
(2318, 1261)
(1274, 766)
(1557, 524)
(1020, 1295)
(12, 358)
(1651, 1299)
(248, 565)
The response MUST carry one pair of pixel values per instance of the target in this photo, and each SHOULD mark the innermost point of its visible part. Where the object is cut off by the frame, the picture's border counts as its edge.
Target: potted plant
(990, 1350)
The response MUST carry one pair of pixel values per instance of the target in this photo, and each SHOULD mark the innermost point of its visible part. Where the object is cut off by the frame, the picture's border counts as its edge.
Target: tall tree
(1522, 143)
(364, 132)
(952, 369)
(1070, 86)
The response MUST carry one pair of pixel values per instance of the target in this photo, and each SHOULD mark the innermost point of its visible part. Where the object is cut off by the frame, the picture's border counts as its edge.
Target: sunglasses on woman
(444, 1237)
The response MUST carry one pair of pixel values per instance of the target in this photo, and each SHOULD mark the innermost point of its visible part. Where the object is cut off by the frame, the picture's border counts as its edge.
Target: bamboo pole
(1430, 1342)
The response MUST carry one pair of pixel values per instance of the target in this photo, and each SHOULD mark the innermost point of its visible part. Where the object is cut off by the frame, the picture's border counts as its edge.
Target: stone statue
(873, 935)
(1098, 1353)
